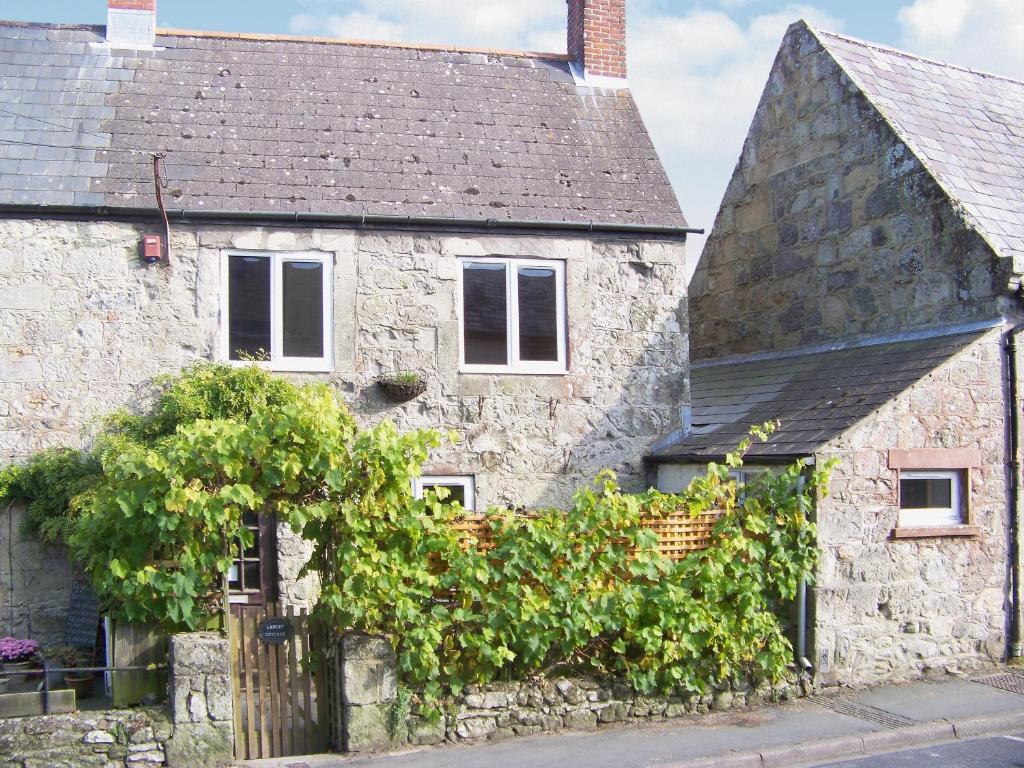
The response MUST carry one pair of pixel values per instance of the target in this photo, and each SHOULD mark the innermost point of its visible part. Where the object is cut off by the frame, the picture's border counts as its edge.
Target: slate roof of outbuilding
(815, 395)
(966, 127)
(297, 126)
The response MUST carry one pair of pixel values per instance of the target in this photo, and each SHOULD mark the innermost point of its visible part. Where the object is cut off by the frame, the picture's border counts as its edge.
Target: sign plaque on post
(275, 631)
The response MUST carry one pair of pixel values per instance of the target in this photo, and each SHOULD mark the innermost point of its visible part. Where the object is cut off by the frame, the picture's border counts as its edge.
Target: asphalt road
(989, 752)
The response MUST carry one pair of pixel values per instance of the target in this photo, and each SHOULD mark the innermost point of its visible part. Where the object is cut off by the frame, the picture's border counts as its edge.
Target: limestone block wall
(830, 227)
(886, 608)
(84, 325)
(375, 719)
(115, 739)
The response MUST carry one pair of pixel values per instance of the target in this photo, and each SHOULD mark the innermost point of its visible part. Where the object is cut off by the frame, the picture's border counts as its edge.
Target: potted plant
(80, 682)
(404, 385)
(17, 656)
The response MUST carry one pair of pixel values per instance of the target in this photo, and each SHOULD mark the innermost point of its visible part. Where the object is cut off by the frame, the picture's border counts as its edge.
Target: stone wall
(884, 608)
(197, 731)
(201, 701)
(830, 227)
(117, 739)
(375, 718)
(35, 583)
(84, 325)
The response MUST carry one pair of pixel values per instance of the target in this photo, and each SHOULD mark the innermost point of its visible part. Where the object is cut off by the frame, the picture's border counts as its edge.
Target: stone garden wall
(195, 732)
(376, 716)
(830, 227)
(117, 739)
(84, 325)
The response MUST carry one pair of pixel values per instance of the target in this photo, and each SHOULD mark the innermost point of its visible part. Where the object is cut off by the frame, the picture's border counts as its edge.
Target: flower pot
(14, 670)
(80, 683)
(401, 388)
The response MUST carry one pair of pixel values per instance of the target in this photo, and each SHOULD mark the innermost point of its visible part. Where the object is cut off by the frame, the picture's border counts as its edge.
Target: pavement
(833, 726)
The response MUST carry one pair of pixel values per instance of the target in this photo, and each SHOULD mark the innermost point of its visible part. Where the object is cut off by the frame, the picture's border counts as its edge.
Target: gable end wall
(830, 227)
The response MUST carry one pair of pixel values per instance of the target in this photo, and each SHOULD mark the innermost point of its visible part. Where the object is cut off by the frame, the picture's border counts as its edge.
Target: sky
(696, 67)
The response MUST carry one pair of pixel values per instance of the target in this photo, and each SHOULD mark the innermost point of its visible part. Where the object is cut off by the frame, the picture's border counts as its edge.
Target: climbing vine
(153, 510)
(582, 589)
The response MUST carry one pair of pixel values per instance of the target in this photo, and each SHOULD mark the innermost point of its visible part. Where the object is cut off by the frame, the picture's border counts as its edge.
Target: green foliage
(158, 536)
(53, 486)
(56, 485)
(204, 391)
(560, 588)
(398, 710)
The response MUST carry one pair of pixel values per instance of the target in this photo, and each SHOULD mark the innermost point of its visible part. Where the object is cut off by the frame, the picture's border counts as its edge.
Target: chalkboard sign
(83, 617)
(275, 631)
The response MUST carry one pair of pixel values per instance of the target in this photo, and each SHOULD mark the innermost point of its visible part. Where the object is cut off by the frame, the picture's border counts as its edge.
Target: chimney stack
(597, 37)
(131, 23)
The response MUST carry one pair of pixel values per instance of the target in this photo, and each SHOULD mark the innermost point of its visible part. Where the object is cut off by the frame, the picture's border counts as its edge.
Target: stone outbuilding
(862, 285)
(497, 222)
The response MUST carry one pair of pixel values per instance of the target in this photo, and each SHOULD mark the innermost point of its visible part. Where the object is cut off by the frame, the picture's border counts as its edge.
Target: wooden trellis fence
(678, 532)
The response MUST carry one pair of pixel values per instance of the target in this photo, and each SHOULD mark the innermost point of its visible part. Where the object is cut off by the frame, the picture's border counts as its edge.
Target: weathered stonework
(374, 720)
(885, 608)
(832, 230)
(201, 701)
(84, 325)
(830, 227)
(196, 732)
(116, 739)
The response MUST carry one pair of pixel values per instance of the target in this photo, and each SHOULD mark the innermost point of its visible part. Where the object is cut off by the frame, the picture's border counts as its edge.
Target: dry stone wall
(116, 739)
(84, 325)
(375, 717)
(830, 227)
(886, 608)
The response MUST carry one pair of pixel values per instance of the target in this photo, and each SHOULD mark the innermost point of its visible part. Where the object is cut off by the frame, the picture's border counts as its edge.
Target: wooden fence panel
(137, 645)
(279, 711)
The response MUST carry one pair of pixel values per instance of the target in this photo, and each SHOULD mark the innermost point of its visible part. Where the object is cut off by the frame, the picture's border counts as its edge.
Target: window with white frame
(461, 488)
(277, 308)
(512, 316)
(930, 498)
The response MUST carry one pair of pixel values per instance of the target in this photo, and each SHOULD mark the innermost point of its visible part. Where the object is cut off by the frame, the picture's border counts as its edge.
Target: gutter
(351, 220)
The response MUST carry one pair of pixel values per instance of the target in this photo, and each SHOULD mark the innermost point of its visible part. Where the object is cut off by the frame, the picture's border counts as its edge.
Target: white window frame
(515, 365)
(277, 361)
(933, 517)
(466, 482)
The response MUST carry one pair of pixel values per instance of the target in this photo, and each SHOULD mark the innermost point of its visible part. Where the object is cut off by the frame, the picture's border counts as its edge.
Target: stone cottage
(862, 285)
(496, 221)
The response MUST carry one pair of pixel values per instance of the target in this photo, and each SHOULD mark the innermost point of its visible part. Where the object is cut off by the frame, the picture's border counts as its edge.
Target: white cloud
(697, 79)
(982, 34)
(493, 23)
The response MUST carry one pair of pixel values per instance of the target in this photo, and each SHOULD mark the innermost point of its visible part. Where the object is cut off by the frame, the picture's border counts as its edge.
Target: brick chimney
(597, 37)
(131, 23)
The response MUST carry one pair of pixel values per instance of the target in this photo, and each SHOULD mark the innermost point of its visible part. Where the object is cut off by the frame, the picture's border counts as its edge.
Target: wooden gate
(278, 701)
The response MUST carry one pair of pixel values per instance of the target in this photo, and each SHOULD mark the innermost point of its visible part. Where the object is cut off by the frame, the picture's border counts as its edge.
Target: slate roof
(966, 127)
(816, 396)
(253, 124)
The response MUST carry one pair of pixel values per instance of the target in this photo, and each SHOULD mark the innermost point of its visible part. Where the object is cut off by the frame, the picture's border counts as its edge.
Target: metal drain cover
(863, 711)
(1004, 681)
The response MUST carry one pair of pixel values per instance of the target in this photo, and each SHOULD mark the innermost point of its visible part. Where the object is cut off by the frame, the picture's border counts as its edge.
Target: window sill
(936, 532)
(286, 366)
(487, 370)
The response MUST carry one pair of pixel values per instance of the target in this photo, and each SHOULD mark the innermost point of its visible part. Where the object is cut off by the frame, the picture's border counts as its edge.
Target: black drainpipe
(1016, 645)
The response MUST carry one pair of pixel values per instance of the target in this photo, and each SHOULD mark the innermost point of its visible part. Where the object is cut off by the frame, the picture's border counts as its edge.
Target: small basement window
(512, 315)
(930, 498)
(461, 488)
(277, 308)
